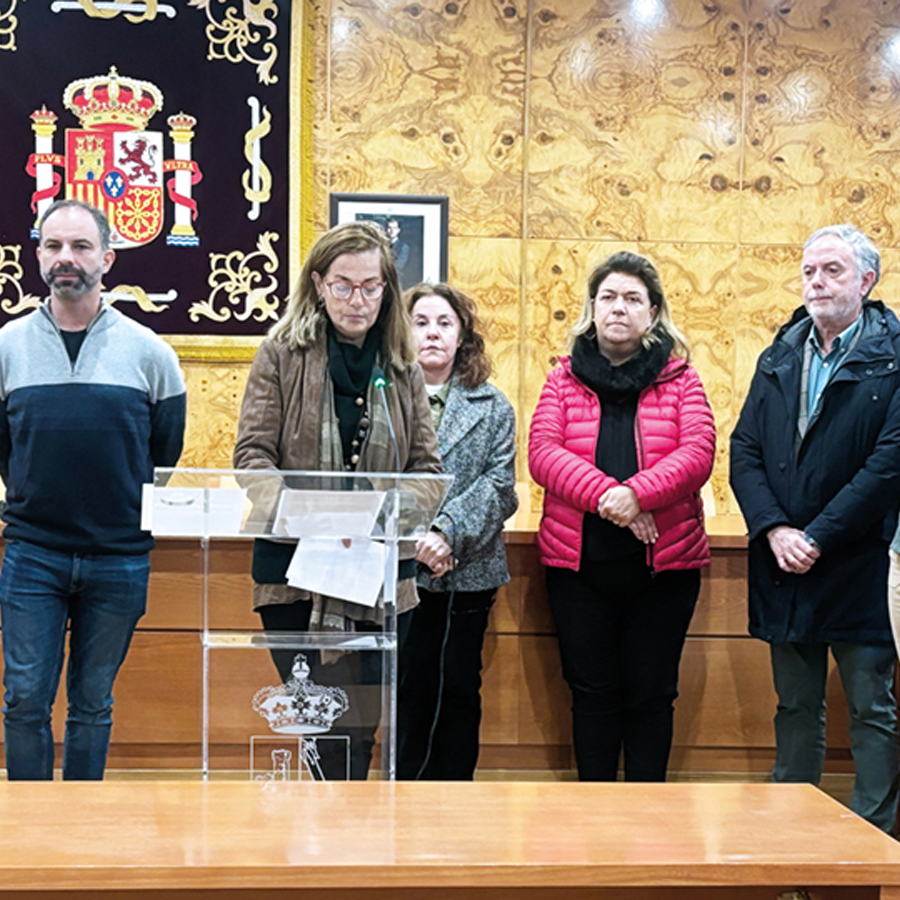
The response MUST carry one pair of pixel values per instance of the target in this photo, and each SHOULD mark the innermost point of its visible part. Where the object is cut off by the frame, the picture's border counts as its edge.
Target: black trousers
(621, 633)
(439, 693)
(359, 674)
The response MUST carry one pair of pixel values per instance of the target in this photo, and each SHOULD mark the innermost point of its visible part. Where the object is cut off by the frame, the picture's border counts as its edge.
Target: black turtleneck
(618, 389)
(350, 368)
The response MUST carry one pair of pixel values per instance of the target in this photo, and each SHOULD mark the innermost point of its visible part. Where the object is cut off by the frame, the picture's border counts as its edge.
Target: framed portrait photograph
(416, 225)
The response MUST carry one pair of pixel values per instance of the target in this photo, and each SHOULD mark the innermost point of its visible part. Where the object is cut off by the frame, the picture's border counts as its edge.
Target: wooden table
(484, 840)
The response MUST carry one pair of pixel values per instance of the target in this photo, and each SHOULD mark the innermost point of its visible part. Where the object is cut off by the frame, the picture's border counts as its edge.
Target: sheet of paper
(192, 512)
(327, 513)
(349, 569)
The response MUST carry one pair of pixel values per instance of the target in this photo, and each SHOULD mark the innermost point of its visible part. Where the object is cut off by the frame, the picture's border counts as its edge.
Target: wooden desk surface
(175, 836)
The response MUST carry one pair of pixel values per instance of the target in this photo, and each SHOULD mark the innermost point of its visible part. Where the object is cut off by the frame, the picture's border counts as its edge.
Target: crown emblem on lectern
(300, 706)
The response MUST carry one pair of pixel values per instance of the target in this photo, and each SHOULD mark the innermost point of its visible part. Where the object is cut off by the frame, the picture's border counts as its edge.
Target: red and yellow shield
(120, 172)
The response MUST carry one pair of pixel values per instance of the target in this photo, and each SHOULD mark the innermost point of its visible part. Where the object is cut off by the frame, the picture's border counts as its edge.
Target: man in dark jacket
(815, 465)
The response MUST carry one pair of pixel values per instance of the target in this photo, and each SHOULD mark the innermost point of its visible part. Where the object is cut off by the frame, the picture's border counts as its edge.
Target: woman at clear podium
(311, 404)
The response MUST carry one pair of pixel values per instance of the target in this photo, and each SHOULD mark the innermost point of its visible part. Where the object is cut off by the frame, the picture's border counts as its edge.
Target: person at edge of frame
(90, 403)
(815, 466)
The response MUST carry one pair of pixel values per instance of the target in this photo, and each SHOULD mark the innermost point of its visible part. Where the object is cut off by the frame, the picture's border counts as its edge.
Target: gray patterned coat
(477, 442)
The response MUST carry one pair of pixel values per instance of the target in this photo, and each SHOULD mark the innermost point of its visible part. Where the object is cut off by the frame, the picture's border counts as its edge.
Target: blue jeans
(102, 598)
(867, 674)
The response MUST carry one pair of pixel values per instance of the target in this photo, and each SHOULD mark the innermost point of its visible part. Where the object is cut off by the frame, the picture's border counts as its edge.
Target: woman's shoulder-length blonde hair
(626, 263)
(472, 365)
(303, 322)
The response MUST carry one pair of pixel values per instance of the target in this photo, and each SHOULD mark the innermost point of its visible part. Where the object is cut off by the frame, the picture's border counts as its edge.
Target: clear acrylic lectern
(299, 704)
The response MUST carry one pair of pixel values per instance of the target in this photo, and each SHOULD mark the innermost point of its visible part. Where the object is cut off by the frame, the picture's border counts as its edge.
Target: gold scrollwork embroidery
(11, 275)
(138, 294)
(235, 278)
(233, 37)
(110, 11)
(8, 25)
(257, 180)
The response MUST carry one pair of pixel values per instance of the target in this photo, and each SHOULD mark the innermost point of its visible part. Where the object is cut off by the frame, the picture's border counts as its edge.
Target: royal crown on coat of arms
(300, 706)
(115, 163)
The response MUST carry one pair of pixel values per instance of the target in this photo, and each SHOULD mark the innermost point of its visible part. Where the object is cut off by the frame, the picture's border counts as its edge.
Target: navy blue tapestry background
(219, 266)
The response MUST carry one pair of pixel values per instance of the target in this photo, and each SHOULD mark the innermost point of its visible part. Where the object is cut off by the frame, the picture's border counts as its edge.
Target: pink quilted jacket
(675, 436)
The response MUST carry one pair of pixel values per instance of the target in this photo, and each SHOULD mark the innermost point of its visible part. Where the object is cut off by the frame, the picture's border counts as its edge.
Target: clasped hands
(434, 551)
(793, 552)
(620, 506)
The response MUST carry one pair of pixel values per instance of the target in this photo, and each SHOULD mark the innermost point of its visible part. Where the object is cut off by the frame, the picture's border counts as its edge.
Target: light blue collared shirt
(822, 368)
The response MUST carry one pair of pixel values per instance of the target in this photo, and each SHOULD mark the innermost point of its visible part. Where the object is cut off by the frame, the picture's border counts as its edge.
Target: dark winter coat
(841, 485)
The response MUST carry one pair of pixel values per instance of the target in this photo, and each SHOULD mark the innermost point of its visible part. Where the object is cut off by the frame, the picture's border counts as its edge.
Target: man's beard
(82, 284)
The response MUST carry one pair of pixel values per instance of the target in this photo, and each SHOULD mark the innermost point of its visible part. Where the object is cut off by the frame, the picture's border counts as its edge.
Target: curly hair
(472, 365)
(640, 267)
(302, 322)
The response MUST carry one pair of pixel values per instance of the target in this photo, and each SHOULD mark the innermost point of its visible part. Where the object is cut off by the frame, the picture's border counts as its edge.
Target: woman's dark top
(350, 368)
(618, 389)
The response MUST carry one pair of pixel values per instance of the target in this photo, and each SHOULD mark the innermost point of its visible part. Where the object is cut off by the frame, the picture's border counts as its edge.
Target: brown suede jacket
(280, 427)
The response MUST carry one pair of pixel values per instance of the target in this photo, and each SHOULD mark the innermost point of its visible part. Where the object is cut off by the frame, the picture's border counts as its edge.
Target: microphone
(379, 381)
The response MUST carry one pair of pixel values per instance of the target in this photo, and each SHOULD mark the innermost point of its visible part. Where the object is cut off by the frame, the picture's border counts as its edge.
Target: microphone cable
(442, 656)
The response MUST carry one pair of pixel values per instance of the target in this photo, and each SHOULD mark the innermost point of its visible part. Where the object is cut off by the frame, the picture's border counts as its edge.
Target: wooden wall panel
(428, 98)
(722, 605)
(723, 719)
(158, 692)
(501, 687)
(631, 136)
(726, 695)
(157, 697)
(544, 697)
(712, 137)
(175, 594)
(175, 597)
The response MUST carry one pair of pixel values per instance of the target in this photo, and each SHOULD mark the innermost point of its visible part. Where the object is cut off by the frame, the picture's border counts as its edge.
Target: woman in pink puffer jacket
(622, 532)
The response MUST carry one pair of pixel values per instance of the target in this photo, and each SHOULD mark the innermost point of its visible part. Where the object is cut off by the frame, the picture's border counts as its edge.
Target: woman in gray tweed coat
(462, 562)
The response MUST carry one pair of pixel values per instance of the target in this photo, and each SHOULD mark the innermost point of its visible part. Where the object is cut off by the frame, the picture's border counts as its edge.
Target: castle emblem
(300, 706)
(115, 163)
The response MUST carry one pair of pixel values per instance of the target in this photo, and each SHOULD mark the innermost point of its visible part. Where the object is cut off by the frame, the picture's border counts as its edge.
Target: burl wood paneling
(821, 135)
(321, 125)
(769, 279)
(635, 120)
(215, 392)
(491, 272)
(428, 98)
(712, 137)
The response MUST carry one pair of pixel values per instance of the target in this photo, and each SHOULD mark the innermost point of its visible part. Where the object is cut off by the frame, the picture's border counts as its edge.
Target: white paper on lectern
(192, 512)
(309, 514)
(329, 566)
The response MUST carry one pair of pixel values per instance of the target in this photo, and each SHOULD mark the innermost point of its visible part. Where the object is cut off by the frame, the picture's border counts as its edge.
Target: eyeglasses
(343, 290)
